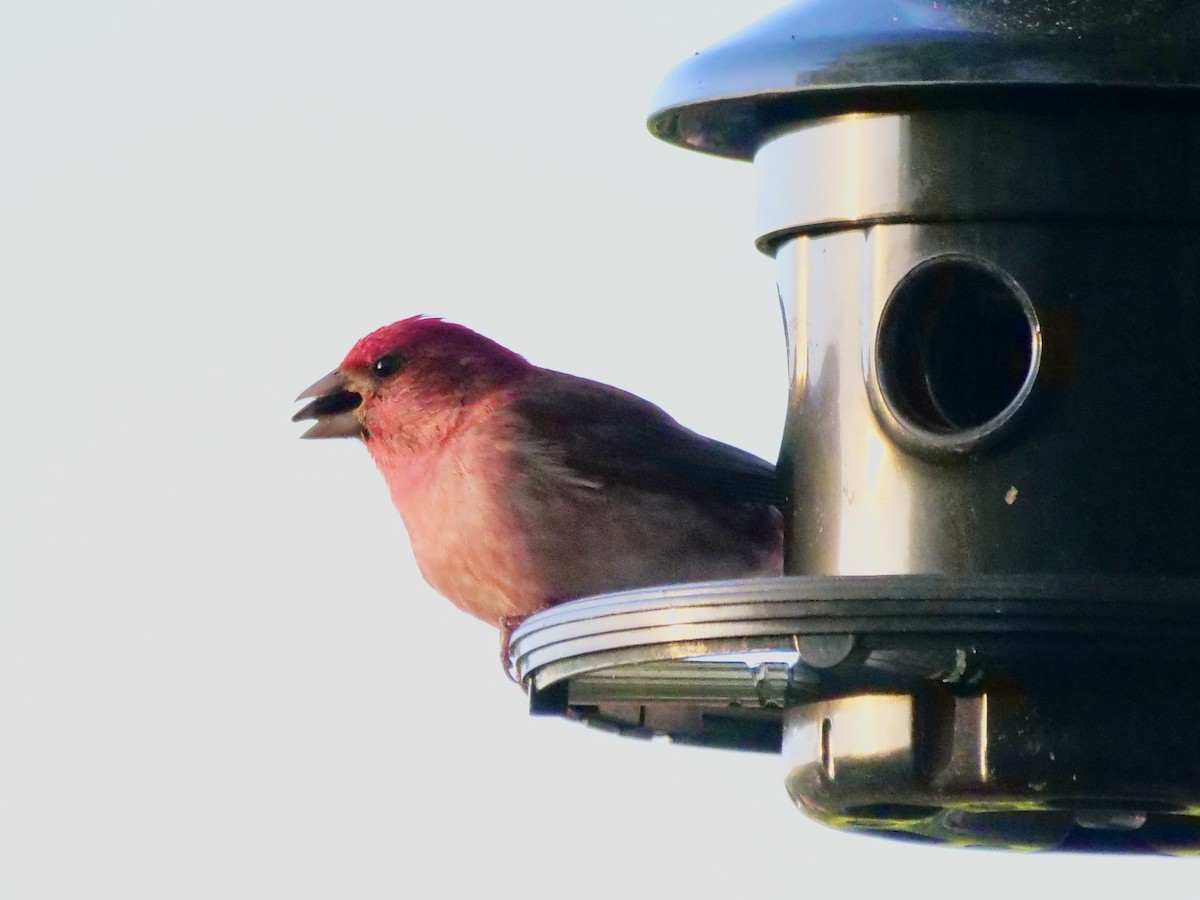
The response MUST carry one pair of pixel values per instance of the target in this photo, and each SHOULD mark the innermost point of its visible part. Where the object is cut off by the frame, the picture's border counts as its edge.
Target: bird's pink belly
(469, 552)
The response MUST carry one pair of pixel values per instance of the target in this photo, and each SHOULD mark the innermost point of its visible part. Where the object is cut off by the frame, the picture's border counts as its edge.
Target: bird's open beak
(334, 408)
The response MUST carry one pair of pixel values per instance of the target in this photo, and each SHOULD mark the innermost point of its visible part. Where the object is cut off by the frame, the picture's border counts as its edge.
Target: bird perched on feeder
(522, 487)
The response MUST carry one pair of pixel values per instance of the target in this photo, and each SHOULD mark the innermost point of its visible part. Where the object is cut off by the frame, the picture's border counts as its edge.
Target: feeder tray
(953, 709)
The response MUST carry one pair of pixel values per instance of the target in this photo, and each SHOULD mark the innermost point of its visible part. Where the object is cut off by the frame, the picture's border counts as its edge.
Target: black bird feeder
(986, 220)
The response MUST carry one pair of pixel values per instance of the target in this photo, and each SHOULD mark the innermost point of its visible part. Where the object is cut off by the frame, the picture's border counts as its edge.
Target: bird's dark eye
(387, 366)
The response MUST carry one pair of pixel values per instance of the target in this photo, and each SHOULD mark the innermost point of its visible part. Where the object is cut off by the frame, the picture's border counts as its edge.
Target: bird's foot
(507, 625)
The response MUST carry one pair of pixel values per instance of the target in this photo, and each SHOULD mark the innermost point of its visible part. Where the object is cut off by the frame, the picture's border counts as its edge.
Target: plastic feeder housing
(986, 221)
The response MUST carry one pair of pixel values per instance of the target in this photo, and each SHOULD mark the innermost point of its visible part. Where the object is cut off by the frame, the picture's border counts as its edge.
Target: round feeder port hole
(957, 352)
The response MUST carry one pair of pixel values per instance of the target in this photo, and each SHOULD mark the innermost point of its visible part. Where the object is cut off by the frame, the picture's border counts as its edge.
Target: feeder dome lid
(819, 58)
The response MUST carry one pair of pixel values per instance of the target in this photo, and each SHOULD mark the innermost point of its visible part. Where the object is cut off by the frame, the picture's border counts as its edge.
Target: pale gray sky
(220, 674)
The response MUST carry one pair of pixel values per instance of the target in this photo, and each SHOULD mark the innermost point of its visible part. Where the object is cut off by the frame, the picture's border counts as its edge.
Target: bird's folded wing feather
(603, 435)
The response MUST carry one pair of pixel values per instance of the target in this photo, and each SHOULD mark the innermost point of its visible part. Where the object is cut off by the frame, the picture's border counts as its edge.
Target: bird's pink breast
(462, 530)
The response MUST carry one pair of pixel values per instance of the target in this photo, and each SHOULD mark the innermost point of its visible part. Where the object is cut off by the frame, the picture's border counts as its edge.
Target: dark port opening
(957, 342)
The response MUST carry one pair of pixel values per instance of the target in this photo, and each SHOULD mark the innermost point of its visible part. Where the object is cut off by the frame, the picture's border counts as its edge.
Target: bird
(522, 487)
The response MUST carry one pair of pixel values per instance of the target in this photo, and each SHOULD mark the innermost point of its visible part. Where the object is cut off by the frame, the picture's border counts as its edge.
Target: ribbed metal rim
(681, 621)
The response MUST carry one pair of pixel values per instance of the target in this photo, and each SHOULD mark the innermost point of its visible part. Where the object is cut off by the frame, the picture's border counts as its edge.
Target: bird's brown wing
(604, 436)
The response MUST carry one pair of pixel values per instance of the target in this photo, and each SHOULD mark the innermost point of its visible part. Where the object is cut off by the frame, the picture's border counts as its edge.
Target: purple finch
(521, 487)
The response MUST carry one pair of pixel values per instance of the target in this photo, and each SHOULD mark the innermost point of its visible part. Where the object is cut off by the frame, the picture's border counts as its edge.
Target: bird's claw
(507, 625)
